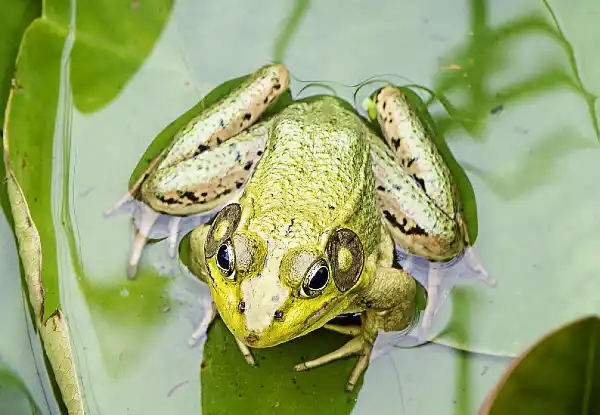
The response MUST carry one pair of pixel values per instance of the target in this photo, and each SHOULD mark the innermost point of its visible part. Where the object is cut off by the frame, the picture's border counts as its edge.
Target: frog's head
(268, 290)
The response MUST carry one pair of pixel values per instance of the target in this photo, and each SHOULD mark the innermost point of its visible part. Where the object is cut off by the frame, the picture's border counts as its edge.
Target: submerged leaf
(558, 375)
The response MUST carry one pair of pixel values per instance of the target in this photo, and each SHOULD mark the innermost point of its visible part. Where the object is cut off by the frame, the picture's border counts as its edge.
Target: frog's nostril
(242, 307)
(278, 314)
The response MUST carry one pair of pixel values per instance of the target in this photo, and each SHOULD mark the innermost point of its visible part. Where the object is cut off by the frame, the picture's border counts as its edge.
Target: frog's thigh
(415, 223)
(200, 184)
(233, 114)
(416, 152)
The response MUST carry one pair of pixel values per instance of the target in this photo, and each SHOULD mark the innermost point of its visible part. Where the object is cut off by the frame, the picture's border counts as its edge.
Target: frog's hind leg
(230, 116)
(234, 113)
(197, 186)
(471, 258)
(420, 201)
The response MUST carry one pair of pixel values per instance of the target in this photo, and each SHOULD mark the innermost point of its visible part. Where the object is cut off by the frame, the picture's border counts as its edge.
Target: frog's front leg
(198, 268)
(389, 303)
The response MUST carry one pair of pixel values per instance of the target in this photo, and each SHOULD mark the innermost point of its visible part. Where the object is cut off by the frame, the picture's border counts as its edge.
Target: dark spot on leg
(191, 196)
(238, 185)
(396, 143)
(259, 153)
(410, 162)
(278, 315)
(276, 86)
(416, 230)
(168, 200)
(247, 116)
(201, 149)
(420, 181)
(266, 100)
(385, 102)
(242, 307)
(218, 140)
(248, 166)
(204, 194)
(381, 188)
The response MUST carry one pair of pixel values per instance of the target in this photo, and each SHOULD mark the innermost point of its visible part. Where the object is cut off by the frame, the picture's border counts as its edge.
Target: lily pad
(273, 385)
(558, 375)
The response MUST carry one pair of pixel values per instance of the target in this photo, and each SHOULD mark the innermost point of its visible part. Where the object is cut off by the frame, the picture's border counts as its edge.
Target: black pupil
(319, 280)
(223, 260)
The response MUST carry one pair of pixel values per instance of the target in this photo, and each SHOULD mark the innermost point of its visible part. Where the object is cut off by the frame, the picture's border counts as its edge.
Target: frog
(310, 204)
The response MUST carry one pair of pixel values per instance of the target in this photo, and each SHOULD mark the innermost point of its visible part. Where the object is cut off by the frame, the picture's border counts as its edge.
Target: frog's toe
(433, 302)
(358, 345)
(475, 264)
(140, 238)
(344, 329)
(126, 198)
(209, 309)
(174, 223)
(246, 352)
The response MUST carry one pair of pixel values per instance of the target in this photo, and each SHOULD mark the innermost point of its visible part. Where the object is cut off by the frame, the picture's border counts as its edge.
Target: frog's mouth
(287, 323)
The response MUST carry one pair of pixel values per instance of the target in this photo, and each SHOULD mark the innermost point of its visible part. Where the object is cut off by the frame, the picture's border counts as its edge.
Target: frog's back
(316, 157)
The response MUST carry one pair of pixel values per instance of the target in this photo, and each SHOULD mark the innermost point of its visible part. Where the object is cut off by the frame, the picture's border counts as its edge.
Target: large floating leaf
(113, 40)
(558, 375)
(273, 385)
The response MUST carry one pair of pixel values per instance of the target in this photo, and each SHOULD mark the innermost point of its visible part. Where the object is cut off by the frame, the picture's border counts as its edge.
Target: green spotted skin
(315, 173)
(195, 174)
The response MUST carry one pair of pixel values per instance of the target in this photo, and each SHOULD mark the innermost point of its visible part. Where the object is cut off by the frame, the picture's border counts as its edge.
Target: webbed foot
(357, 346)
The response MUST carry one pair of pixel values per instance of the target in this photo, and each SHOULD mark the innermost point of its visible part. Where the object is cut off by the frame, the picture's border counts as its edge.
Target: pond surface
(522, 78)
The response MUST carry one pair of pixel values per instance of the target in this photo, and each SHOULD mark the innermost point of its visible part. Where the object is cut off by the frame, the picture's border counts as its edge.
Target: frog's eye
(316, 279)
(346, 256)
(223, 226)
(225, 260)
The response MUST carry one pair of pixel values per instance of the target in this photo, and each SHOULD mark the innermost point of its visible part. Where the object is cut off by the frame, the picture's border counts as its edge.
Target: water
(524, 131)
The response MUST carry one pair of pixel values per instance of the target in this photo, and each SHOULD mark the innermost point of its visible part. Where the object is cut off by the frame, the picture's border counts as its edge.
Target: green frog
(311, 204)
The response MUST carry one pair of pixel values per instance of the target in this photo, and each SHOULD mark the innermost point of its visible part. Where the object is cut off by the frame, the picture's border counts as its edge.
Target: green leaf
(114, 39)
(29, 134)
(558, 375)
(16, 16)
(231, 386)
